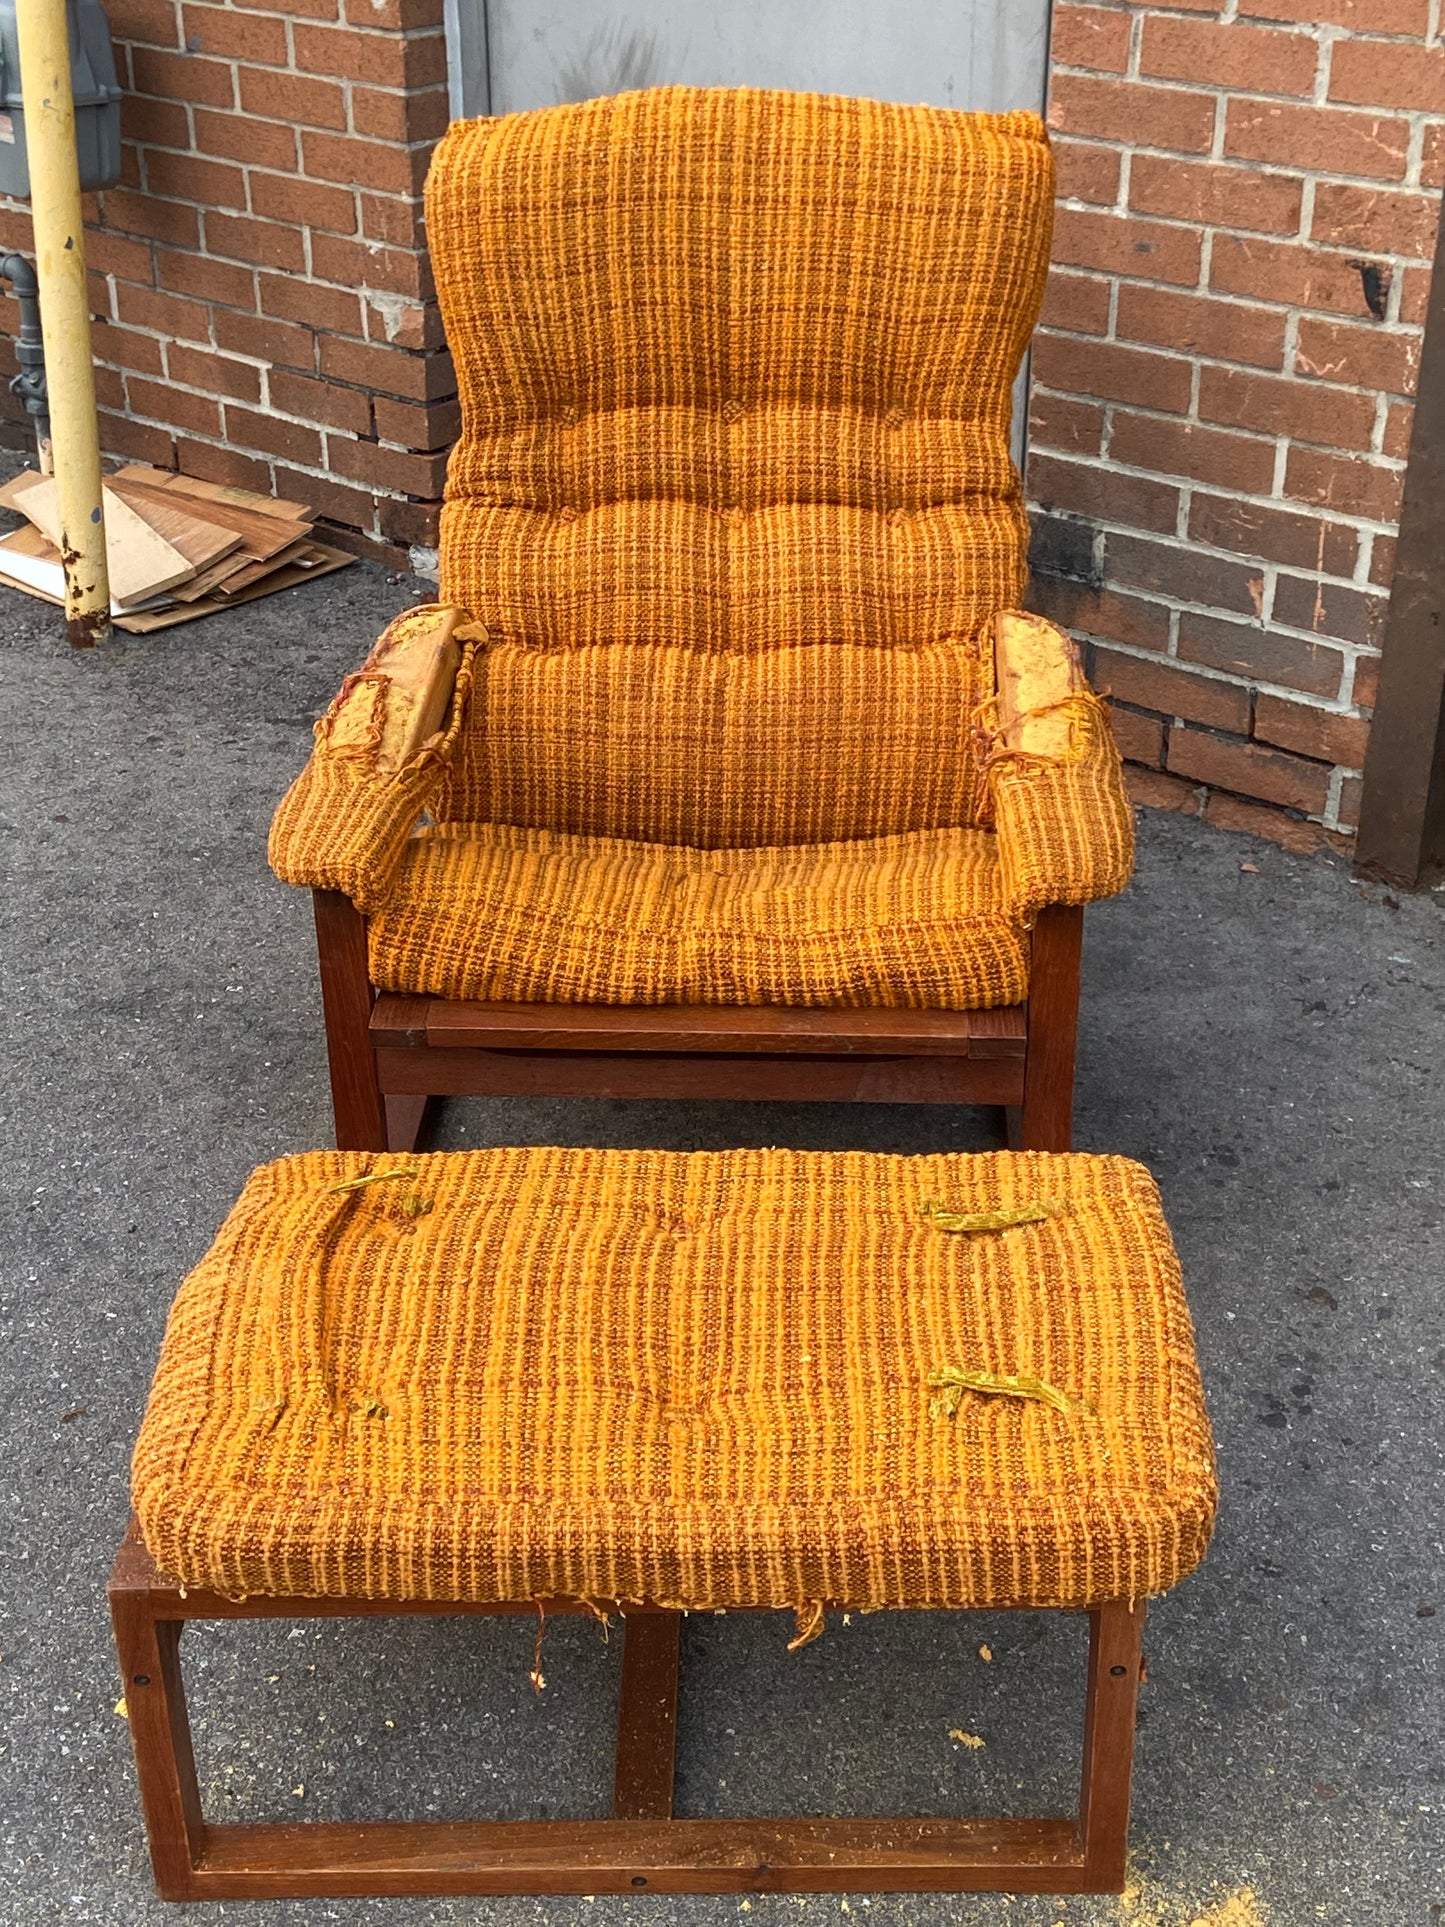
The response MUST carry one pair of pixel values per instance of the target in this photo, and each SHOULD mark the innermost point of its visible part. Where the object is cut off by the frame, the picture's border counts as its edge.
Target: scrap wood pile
(177, 548)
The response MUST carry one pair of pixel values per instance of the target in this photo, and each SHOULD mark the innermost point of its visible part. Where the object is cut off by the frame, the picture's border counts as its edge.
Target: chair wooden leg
(346, 997)
(647, 1717)
(1047, 1123)
(1115, 1657)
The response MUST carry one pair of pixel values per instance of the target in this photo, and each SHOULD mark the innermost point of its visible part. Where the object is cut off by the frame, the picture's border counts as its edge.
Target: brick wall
(262, 297)
(1221, 407)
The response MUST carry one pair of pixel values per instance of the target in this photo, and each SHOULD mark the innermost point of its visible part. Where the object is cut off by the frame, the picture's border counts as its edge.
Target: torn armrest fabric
(1063, 820)
(345, 821)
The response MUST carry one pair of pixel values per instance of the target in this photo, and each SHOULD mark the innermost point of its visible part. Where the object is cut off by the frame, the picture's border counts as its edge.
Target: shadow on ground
(1268, 1039)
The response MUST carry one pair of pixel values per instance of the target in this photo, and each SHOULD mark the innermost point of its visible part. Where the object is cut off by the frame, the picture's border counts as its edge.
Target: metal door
(511, 54)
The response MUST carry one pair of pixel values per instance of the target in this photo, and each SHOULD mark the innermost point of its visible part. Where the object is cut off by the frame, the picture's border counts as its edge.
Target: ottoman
(647, 1383)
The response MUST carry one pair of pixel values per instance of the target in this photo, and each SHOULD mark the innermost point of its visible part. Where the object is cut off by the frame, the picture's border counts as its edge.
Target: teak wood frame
(642, 1847)
(390, 1054)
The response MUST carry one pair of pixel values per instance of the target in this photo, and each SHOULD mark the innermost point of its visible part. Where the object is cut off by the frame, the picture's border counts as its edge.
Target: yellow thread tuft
(949, 1383)
(1004, 1219)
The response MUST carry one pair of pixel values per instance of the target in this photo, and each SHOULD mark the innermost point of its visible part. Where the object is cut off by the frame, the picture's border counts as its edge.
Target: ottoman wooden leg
(642, 1846)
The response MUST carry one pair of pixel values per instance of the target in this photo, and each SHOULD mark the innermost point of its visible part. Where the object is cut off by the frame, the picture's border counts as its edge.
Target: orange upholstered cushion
(698, 1379)
(735, 374)
(491, 911)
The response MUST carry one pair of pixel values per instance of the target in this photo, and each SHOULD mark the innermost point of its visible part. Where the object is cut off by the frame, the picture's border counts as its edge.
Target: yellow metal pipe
(44, 37)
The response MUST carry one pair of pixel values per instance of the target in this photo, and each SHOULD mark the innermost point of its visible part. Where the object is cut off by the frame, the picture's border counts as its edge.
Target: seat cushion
(496, 912)
(699, 1379)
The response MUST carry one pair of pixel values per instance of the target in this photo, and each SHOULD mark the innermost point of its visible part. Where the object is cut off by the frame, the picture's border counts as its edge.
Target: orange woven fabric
(697, 1379)
(343, 824)
(1065, 828)
(489, 911)
(735, 374)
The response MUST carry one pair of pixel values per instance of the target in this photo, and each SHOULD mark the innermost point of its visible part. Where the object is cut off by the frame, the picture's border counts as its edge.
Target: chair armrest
(381, 750)
(1063, 820)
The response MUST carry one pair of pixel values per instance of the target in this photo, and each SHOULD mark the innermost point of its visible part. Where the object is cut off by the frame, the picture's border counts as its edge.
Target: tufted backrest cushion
(733, 493)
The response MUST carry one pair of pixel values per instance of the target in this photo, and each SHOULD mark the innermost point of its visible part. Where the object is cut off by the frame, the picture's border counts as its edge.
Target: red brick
(1134, 116)
(127, 260)
(181, 77)
(1414, 295)
(417, 325)
(334, 309)
(1277, 405)
(1337, 482)
(233, 35)
(379, 59)
(335, 500)
(282, 197)
(340, 157)
(1151, 790)
(1253, 60)
(159, 220)
(138, 441)
(1123, 244)
(391, 371)
(1368, 357)
(1113, 373)
(267, 244)
(155, 123)
(354, 264)
(1171, 691)
(1260, 655)
(162, 314)
(1432, 156)
(183, 177)
(1275, 535)
(1233, 813)
(1248, 768)
(1075, 427)
(1321, 733)
(430, 426)
(265, 340)
(384, 115)
(1351, 790)
(301, 9)
(1375, 220)
(1096, 37)
(1137, 562)
(241, 137)
(109, 386)
(1211, 194)
(269, 433)
(216, 374)
(389, 468)
(1139, 739)
(291, 97)
(1366, 687)
(1374, 73)
(1329, 609)
(207, 280)
(164, 402)
(405, 14)
(1083, 610)
(1382, 561)
(127, 349)
(225, 465)
(400, 222)
(1182, 448)
(1103, 495)
(1294, 273)
(321, 401)
(1364, 16)
(1087, 171)
(1078, 303)
(1399, 423)
(151, 21)
(1328, 139)
(1194, 324)
(415, 523)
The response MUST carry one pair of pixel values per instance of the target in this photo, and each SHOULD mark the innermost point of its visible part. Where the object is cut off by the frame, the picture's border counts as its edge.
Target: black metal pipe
(29, 385)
